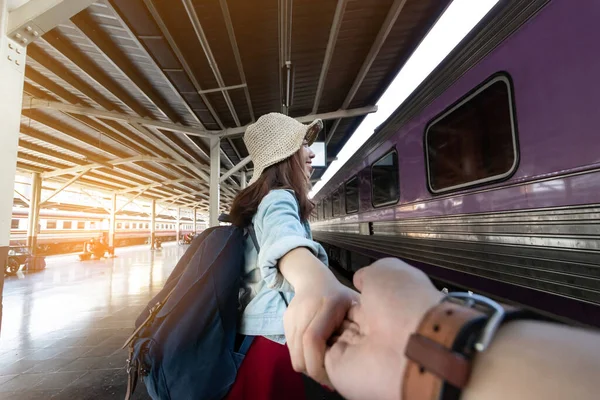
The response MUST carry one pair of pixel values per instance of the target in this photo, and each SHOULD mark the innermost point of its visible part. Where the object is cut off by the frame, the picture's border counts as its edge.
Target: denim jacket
(279, 230)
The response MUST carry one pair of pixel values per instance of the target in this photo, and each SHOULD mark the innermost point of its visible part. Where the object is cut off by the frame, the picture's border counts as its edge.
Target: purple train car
(488, 176)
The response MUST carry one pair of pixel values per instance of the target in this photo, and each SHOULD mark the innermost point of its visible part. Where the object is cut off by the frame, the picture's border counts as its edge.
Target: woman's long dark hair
(287, 174)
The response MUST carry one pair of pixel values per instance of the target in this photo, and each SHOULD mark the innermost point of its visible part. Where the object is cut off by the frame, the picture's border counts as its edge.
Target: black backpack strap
(252, 233)
(132, 377)
(245, 346)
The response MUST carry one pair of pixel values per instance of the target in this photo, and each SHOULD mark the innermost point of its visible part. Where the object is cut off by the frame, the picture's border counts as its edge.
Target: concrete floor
(63, 327)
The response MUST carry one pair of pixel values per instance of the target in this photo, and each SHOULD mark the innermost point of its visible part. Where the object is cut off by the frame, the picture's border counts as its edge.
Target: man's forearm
(535, 360)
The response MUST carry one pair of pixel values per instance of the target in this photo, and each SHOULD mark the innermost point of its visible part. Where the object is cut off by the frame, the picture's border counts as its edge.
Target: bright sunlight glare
(456, 22)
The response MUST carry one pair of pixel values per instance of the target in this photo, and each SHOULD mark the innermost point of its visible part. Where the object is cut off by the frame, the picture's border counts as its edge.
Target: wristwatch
(441, 351)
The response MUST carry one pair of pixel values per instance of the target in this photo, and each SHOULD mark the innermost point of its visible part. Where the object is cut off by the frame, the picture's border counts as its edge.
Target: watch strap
(431, 360)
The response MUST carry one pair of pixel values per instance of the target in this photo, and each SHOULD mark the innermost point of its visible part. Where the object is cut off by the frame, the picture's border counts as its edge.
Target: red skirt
(266, 373)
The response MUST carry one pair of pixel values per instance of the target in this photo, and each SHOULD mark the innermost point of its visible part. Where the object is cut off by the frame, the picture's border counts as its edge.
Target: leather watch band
(440, 352)
(431, 359)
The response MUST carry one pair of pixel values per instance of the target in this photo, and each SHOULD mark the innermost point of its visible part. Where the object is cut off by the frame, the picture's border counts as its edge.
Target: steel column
(215, 174)
(177, 222)
(12, 76)
(34, 211)
(112, 221)
(243, 180)
(152, 224)
(195, 223)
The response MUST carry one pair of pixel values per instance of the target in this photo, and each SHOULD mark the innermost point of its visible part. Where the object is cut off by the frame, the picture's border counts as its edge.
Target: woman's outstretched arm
(316, 312)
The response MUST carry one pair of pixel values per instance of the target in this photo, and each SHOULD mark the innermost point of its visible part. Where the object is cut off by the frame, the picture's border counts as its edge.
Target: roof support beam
(115, 116)
(333, 34)
(192, 205)
(112, 129)
(181, 196)
(143, 48)
(114, 55)
(235, 169)
(43, 150)
(165, 31)
(153, 185)
(119, 154)
(190, 74)
(222, 89)
(129, 160)
(22, 197)
(56, 40)
(355, 112)
(60, 70)
(132, 200)
(29, 168)
(382, 35)
(36, 17)
(64, 186)
(236, 54)
(198, 145)
(25, 130)
(191, 11)
(174, 154)
(63, 158)
(104, 126)
(95, 200)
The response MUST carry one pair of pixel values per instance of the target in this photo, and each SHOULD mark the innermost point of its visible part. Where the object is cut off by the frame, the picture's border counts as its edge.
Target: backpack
(184, 344)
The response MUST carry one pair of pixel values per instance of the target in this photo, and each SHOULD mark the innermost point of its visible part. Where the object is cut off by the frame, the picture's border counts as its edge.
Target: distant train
(488, 176)
(65, 232)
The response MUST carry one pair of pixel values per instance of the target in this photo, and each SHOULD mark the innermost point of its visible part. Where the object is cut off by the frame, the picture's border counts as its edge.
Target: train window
(67, 224)
(351, 190)
(335, 200)
(384, 180)
(50, 224)
(92, 225)
(147, 225)
(81, 225)
(119, 225)
(320, 210)
(126, 225)
(475, 141)
(14, 224)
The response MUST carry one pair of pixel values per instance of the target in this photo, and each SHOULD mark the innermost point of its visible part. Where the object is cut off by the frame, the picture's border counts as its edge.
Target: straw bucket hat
(275, 137)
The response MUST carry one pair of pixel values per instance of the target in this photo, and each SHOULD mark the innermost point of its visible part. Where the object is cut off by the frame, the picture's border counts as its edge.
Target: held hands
(367, 359)
(319, 307)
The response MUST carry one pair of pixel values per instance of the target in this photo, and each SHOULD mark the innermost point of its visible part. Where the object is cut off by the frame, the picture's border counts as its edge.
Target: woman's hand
(367, 361)
(316, 312)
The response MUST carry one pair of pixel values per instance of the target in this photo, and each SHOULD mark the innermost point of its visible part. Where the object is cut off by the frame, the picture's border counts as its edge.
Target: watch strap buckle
(494, 321)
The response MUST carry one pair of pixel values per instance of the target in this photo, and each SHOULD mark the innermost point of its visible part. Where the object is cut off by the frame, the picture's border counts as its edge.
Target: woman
(289, 268)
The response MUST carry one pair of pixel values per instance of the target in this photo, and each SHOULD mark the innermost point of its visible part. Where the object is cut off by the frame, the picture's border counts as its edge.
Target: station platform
(63, 327)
